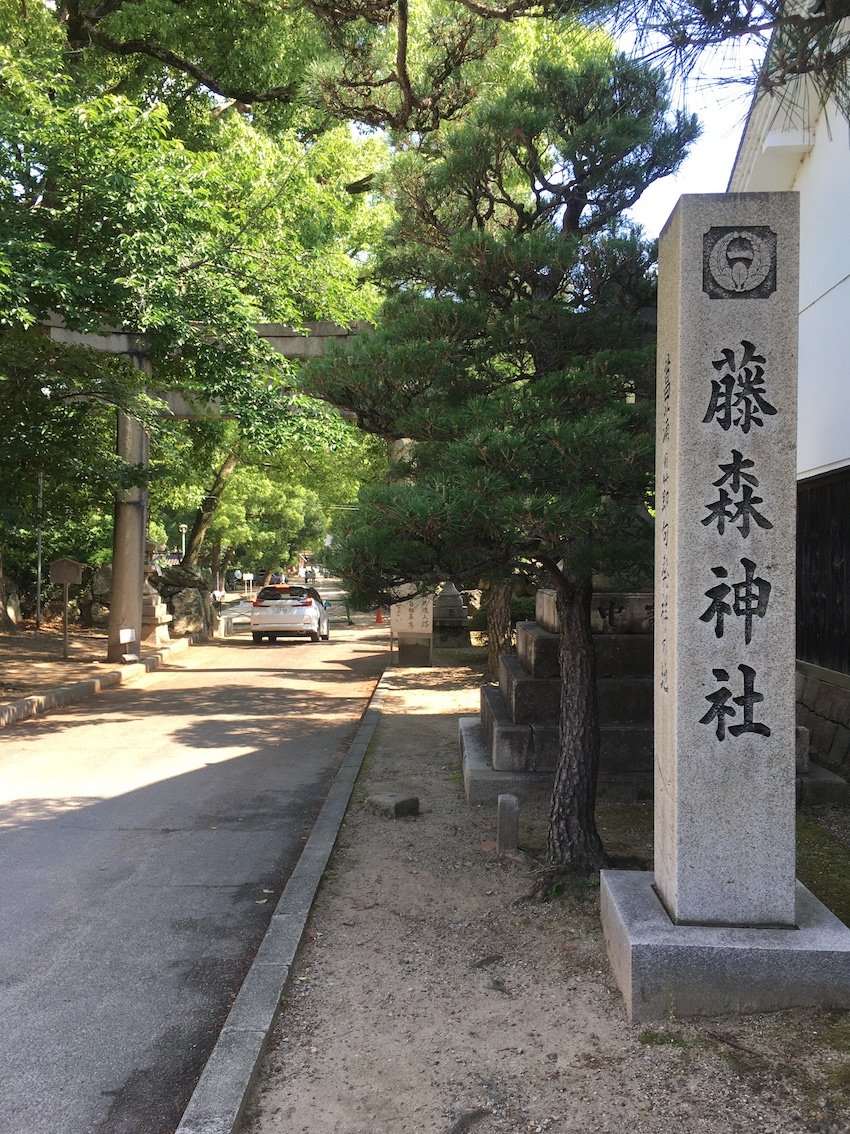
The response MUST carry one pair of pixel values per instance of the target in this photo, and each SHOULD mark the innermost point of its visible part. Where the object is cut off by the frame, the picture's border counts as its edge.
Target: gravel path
(430, 997)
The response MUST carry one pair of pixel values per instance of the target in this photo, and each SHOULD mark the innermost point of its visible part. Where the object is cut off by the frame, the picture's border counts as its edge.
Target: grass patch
(823, 865)
(823, 860)
(836, 1033)
(660, 1039)
(627, 833)
(839, 1077)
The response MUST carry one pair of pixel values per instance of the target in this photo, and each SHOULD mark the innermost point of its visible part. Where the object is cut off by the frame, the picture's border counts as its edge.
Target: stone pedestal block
(528, 699)
(621, 613)
(414, 649)
(667, 970)
(537, 650)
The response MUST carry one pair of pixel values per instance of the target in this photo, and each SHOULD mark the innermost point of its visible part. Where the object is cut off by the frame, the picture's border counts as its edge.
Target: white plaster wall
(823, 183)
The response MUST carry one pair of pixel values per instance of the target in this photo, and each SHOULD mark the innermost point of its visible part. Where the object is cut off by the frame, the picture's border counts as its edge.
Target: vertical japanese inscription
(738, 403)
(664, 520)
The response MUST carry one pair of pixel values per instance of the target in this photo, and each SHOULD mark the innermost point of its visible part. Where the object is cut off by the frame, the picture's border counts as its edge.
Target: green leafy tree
(512, 356)
(108, 216)
(269, 504)
(57, 459)
(409, 64)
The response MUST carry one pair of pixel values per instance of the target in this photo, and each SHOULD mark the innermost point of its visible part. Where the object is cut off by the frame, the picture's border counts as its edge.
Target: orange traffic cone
(378, 616)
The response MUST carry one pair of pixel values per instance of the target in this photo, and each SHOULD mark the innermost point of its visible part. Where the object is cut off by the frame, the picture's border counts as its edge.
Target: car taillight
(258, 602)
(305, 602)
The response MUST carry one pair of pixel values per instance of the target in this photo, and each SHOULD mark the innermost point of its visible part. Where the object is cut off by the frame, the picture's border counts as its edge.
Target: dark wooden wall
(823, 551)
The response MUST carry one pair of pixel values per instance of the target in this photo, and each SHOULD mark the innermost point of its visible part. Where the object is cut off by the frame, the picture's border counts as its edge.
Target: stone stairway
(513, 745)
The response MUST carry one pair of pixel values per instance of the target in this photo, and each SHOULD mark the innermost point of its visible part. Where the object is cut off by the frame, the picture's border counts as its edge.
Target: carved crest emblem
(739, 263)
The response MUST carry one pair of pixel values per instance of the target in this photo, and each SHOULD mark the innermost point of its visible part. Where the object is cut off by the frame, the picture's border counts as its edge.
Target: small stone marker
(723, 926)
(393, 806)
(802, 744)
(507, 824)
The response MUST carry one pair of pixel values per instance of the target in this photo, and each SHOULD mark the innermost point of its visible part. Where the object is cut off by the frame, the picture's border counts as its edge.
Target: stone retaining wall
(823, 707)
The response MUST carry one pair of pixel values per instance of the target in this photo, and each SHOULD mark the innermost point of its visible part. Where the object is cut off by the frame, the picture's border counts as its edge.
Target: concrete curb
(82, 690)
(219, 1100)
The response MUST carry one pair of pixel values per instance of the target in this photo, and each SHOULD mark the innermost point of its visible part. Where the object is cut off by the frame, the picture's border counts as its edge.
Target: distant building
(795, 144)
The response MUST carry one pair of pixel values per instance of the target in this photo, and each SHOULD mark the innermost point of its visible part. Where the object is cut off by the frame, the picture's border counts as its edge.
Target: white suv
(289, 609)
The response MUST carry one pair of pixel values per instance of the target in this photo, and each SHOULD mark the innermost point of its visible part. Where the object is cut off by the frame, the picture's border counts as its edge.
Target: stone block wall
(823, 707)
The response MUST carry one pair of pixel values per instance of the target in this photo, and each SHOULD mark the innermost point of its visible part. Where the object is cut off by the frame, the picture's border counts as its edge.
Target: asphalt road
(145, 836)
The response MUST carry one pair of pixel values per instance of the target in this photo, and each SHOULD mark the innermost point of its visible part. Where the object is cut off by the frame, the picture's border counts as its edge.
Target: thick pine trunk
(574, 843)
(498, 622)
(206, 511)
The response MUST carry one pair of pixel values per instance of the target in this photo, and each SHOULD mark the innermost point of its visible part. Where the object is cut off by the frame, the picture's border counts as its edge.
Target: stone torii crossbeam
(130, 520)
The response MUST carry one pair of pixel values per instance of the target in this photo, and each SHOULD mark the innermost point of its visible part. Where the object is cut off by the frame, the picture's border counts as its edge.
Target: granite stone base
(414, 650)
(483, 784)
(668, 970)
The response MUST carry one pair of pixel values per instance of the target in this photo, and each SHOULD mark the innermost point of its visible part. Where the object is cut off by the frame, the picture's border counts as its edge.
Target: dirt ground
(33, 661)
(431, 997)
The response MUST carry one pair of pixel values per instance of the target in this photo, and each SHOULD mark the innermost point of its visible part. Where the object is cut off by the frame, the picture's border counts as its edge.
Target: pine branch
(87, 29)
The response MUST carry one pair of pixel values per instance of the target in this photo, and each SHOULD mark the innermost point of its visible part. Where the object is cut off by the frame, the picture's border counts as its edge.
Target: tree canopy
(133, 200)
(513, 361)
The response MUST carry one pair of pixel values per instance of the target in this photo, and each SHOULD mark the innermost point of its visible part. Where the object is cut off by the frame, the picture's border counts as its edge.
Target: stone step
(515, 747)
(536, 700)
(617, 655)
(624, 655)
(528, 699)
(483, 784)
(537, 650)
(818, 785)
(625, 700)
(624, 749)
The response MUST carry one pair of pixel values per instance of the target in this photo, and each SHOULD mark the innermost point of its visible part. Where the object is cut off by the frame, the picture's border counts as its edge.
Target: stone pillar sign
(714, 929)
(725, 562)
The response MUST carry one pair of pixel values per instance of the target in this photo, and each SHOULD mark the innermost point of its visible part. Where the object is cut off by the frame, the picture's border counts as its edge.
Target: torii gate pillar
(128, 547)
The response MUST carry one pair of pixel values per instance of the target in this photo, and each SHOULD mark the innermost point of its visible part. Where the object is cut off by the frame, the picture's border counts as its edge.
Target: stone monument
(412, 629)
(723, 925)
(155, 616)
(451, 618)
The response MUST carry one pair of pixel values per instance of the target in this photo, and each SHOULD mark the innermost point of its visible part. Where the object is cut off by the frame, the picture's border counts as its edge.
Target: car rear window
(268, 593)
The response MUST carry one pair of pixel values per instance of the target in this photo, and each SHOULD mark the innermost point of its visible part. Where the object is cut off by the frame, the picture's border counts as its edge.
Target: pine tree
(512, 355)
